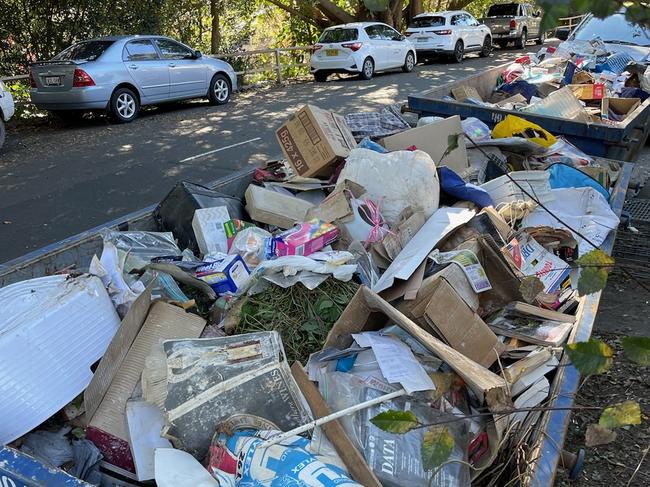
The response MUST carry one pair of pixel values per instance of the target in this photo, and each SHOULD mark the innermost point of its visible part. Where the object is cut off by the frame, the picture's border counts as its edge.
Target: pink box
(305, 238)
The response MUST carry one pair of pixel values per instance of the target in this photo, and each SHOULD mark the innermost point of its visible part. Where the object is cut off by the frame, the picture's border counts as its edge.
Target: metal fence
(571, 22)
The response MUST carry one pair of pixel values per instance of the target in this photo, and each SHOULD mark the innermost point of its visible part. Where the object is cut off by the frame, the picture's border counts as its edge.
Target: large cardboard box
(313, 139)
(620, 106)
(433, 139)
(594, 91)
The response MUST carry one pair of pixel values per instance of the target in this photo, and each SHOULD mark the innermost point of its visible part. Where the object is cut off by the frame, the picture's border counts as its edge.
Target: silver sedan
(120, 74)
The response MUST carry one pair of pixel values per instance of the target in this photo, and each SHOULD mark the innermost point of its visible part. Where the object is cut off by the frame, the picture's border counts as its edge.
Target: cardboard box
(313, 139)
(268, 206)
(620, 106)
(474, 339)
(432, 139)
(462, 93)
(226, 275)
(304, 239)
(594, 91)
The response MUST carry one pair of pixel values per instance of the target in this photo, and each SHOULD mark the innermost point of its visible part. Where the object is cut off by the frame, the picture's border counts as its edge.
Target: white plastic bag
(395, 180)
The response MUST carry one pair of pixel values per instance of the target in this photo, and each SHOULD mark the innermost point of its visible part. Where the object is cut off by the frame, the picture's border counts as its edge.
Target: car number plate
(53, 80)
(422, 39)
(331, 52)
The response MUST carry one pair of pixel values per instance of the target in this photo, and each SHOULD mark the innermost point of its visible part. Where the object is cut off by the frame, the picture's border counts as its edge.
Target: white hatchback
(452, 33)
(362, 48)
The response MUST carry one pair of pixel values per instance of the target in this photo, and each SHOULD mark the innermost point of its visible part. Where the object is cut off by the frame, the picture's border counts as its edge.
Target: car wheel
(409, 62)
(3, 133)
(368, 69)
(459, 52)
(487, 47)
(540, 40)
(320, 77)
(219, 92)
(521, 42)
(124, 106)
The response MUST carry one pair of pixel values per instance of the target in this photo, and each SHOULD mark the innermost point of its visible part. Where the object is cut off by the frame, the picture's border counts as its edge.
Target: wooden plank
(334, 431)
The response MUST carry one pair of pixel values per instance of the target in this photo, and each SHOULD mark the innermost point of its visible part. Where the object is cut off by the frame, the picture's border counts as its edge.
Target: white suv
(451, 33)
(6, 110)
(362, 48)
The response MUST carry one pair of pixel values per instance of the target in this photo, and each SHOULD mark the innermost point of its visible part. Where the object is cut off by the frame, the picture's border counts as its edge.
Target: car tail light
(81, 78)
(353, 46)
(445, 32)
(316, 47)
(32, 80)
(513, 24)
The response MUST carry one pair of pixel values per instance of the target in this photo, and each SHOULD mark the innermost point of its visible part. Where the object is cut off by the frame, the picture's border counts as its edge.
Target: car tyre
(3, 133)
(540, 40)
(124, 106)
(520, 43)
(367, 69)
(459, 52)
(487, 47)
(320, 77)
(220, 91)
(409, 62)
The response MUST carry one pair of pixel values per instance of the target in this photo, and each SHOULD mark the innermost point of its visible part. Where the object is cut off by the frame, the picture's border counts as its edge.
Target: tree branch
(334, 12)
(313, 20)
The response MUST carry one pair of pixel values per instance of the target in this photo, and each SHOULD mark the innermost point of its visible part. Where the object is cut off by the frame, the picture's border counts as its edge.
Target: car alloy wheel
(458, 52)
(368, 69)
(221, 90)
(125, 105)
(487, 47)
(409, 63)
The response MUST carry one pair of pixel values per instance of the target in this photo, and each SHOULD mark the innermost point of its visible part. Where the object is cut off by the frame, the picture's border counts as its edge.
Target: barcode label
(307, 124)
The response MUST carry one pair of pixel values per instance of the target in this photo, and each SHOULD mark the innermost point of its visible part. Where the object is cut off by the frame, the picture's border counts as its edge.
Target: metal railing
(570, 22)
(277, 67)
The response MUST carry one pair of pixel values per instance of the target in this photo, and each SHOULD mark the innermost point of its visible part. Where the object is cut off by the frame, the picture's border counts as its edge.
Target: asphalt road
(56, 180)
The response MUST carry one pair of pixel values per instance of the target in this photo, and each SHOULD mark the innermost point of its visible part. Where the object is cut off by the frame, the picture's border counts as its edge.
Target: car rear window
(83, 51)
(428, 22)
(339, 35)
(503, 10)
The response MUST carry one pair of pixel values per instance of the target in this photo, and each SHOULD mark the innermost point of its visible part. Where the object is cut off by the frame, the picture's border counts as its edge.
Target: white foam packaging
(51, 331)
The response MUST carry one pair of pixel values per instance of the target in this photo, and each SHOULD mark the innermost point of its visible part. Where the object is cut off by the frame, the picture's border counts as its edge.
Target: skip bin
(621, 142)
(76, 252)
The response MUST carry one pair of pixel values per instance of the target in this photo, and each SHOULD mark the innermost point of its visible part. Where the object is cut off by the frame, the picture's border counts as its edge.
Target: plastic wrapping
(413, 177)
(476, 129)
(252, 244)
(513, 126)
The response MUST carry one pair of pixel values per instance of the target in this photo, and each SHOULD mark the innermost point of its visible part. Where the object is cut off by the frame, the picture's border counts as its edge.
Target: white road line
(220, 149)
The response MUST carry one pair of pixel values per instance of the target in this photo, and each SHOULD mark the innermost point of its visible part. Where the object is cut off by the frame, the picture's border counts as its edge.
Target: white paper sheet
(443, 221)
(145, 422)
(396, 361)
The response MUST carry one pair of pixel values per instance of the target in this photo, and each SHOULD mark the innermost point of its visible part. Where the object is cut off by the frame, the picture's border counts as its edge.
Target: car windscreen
(421, 22)
(339, 35)
(83, 51)
(615, 29)
(503, 10)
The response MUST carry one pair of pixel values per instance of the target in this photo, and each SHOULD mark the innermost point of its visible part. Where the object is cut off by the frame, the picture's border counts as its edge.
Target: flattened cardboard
(367, 311)
(518, 98)
(354, 461)
(461, 327)
(313, 139)
(594, 91)
(107, 428)
(268, 206)
(432, 139)
(621, 106)
(462, 93)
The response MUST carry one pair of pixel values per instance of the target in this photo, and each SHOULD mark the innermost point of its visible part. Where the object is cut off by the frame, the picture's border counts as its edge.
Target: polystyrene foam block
(52, 329)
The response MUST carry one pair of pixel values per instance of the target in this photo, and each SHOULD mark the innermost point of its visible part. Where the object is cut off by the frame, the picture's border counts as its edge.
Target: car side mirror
(198, 55)
(537, 14)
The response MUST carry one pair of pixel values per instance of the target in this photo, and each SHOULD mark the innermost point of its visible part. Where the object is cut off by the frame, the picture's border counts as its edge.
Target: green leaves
(592, 357)
(437, 445)
(637, 349)
(594, 266)
(398, 422)
(623, 414)
(530, 288)
(376, 5)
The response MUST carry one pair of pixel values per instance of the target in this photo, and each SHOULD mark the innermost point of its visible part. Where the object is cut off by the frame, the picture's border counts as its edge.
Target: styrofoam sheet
(51, 331)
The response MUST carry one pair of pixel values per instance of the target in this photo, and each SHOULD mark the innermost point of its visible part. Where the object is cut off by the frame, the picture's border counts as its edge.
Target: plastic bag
(476, 129)
(513, 126)
(412, 175)
(565, 152)
(252, 245)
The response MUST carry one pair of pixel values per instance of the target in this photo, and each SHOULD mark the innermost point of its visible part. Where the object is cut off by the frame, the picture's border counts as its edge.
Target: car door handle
(133, 66)
(172, 65)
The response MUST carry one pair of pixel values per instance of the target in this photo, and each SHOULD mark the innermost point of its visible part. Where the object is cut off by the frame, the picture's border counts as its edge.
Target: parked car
(6, 111)
(120, 74)
(452, 33)
(514, 22)
(617, 32)
(362, 48)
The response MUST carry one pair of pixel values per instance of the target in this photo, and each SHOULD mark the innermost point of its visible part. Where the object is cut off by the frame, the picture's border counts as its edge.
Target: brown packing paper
(337, 205)
(406, 289)
(463, 329)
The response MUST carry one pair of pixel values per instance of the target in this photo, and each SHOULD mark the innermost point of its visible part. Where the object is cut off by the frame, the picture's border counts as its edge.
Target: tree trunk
(416, 7)
(215, 35)
(334, 12)
(398, 8)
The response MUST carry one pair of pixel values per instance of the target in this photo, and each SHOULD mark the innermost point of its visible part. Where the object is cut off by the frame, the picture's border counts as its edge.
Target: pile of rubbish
(429, 273)
(578, 80)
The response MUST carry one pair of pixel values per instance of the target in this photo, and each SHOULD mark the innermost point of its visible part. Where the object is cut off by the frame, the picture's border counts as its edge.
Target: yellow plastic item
(513, 126)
